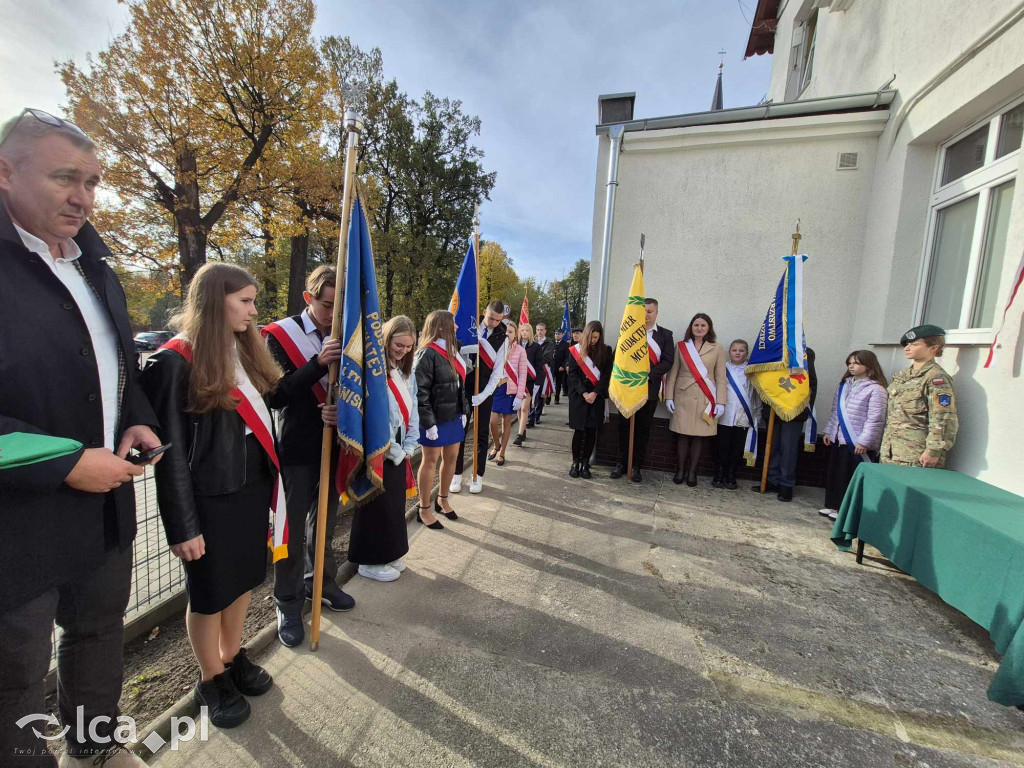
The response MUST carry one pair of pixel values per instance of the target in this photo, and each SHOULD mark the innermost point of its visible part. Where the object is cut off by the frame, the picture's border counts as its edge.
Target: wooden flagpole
(632, 419)
(771, 415)
(479, 341)
(354, 124)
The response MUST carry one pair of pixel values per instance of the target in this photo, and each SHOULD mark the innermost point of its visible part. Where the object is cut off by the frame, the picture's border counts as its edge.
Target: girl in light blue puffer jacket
(862, 396)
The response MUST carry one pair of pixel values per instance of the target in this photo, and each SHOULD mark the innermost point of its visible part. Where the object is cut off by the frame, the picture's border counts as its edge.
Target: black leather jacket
(207, 457)
(439, 390)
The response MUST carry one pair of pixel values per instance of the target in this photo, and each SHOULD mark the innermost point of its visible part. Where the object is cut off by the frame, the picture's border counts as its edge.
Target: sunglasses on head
(48, 119)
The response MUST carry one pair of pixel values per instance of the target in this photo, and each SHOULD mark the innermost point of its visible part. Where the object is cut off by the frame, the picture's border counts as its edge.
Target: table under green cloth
(959, 537)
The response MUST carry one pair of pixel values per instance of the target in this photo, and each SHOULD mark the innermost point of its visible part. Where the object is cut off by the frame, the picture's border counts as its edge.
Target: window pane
(951, 253)
(1010, 131)
(992, 256)
(966, 155)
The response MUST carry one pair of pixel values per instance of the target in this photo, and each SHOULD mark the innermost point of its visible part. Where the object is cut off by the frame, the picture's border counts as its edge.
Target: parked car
(147, 341)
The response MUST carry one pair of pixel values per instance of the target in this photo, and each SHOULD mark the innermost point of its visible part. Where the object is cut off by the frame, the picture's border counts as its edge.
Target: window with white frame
(969, 218)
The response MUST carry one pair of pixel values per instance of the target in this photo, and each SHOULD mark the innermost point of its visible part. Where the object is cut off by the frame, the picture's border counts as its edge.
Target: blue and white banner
(566, 328)
(849, 437)
(750, 442)
(464, 303)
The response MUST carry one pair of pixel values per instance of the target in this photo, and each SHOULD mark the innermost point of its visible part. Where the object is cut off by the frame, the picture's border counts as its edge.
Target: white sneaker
(832, 515)
(826, 512)
(398, 565)
(456, 485)
(476, 487)
(379, 572)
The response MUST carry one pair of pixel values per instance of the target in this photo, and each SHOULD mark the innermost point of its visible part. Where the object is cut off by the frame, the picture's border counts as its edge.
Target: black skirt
(379, 534)
(234, 528)
(584, 415)
(842, 463)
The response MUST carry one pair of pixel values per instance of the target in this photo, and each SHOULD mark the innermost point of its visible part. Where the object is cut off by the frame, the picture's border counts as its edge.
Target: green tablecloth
(958, 536)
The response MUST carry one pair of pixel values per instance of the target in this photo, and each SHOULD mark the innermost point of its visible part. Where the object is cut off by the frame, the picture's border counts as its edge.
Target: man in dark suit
(786, 442)
(547, 348)
(297, 343)
(68, 369)
(492, 334)
(558, 362)
(662, 351)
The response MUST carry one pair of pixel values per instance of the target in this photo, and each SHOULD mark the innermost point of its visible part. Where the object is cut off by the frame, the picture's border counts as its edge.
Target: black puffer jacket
(439, 390)
(207, 456)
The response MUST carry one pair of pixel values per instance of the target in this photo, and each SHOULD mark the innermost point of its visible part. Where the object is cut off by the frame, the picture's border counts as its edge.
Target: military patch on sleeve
(938, 382)
(944, 400)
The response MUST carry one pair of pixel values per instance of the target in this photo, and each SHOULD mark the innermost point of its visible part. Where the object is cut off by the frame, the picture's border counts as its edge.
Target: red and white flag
(524, 313)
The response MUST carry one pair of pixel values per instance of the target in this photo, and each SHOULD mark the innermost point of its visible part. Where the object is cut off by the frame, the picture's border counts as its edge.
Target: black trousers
(842, 463)
(561, 384)
(729, 450)
(641, 434)
(537, 404)
(90, 661)
(293, 575)
(482, 428)
(583, 442)
(786, 442)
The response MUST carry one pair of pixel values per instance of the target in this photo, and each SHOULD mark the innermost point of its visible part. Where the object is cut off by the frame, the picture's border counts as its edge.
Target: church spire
(716, 100)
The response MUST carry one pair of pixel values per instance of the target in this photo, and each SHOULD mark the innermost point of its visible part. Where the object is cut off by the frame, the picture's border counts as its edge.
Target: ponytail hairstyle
(202, 321)
(440, 324)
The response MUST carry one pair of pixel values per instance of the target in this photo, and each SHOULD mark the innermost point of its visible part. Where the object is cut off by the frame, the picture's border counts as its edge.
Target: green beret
(920, 332)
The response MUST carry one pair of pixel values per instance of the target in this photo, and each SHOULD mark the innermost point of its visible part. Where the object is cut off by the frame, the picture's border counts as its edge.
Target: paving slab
(566, 622)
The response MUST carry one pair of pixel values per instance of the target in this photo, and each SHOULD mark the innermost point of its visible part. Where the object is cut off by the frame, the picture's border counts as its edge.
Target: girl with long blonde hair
(379, 536)
(441, 399)
(219, 480)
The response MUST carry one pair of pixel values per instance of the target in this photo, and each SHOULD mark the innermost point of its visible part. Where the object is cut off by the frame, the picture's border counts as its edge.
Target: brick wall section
(811, 468)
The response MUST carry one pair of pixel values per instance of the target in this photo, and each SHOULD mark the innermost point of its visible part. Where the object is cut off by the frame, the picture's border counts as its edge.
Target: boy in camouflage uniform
(921, 423)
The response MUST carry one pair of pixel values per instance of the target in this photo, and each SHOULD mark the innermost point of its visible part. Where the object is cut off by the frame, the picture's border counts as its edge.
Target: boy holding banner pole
(354, 125)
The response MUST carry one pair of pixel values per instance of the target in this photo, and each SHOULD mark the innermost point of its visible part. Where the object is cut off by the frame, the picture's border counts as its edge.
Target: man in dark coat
(559, 358)
(662, 351)
(67, 369)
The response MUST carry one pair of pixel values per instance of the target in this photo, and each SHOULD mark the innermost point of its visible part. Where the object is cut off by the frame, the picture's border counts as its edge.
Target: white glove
(719, 410)
(477, 399)
(432, 433)
(517, 403)
(463, 421)
(670, 404)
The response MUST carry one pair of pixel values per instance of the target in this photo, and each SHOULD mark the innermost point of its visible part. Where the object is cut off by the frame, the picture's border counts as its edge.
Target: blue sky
(531, 70)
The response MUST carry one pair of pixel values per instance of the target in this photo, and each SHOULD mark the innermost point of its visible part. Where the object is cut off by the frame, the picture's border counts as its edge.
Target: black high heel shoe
(436, 525)
(438, 508)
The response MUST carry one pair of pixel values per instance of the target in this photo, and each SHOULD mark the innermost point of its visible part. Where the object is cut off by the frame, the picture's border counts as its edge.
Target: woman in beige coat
(687, 401)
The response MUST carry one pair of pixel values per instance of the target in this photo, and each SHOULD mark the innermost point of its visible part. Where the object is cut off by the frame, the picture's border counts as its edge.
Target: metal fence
(157, 575)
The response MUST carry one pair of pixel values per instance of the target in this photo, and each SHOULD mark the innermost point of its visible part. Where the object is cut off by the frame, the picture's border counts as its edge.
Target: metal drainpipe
(615, 133)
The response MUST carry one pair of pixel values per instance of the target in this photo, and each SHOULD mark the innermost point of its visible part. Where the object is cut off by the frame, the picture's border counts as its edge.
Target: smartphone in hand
(145, 456)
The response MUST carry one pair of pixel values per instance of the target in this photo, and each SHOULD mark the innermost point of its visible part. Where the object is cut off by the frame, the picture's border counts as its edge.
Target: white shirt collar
(442, 344)
(308, 326)
(69, 248)
(652, 329)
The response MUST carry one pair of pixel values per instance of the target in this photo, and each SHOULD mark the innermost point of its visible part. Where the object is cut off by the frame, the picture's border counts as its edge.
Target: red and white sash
(484, 350)
(586, 365)
(256, 416)
(403, 399)
(300, 349)
(549, 382)
(460, 364)
(654, 354)
(700, 374)
(531, 371)
(511, 372)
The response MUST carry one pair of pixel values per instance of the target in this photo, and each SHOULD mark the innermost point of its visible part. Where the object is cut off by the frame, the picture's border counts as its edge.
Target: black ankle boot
(574, 470)
(719, 480)
(585, 470)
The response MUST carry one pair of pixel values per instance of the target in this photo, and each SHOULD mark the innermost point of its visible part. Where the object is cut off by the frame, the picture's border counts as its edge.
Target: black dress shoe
(717, 482)
(290, 629)
(585, 470)
(691, 483)
(574, 470)
(438, 508)
(785, 494)
(636, 475)
(770, 487)
(519, 440)
(730, 484)
(434, 526)
(225, 705)
(677, 479)
(617, 472)
(250, 679)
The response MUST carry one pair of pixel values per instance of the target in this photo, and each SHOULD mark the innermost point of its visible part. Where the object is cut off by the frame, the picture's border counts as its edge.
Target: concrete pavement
(601, 623)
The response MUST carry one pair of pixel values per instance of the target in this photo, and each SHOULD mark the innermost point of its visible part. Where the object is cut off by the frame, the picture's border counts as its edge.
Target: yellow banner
(628, 385)
(787, 392)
